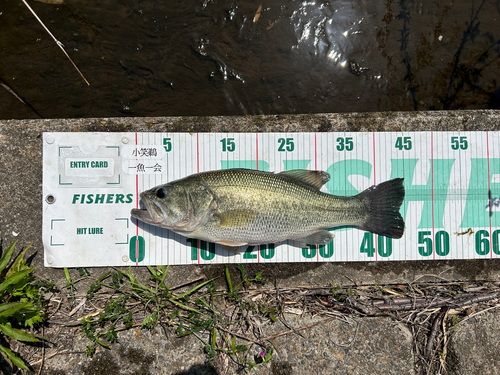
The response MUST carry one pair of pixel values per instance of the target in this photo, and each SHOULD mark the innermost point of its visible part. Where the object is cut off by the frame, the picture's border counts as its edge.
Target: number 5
(167, 144)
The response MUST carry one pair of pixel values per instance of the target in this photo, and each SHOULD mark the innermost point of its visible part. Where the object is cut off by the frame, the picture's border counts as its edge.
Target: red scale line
(375, 183)
(198, 171)
(137, 206)
(316, 168)
(432, 196)
(257, 150)
(257, 167)
(489, 192)
(315, 153)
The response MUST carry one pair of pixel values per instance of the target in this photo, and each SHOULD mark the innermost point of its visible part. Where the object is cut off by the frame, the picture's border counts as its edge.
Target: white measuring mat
(91, 181)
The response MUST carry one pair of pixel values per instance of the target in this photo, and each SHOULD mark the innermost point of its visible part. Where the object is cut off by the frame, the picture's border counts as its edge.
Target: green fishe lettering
(423, 193)
(476, 213)
(341, 170)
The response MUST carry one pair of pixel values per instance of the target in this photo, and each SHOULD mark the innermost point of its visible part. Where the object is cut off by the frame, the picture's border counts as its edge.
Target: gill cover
(201, 205)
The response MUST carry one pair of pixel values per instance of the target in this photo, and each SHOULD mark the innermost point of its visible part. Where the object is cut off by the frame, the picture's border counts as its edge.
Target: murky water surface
(208, 57)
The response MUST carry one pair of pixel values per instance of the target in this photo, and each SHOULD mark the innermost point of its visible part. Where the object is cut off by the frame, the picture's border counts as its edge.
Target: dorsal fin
(315, 179)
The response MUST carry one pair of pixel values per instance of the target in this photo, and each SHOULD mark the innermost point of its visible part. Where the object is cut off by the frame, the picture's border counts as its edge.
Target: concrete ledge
(470, 120)
(21, 176)
(21, 219)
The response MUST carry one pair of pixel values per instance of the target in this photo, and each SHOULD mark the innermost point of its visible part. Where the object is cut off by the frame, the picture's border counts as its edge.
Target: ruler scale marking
(429, 205)
(432, 197)
(198, 171)
(489, 194)
(375, 183)
(137, 206)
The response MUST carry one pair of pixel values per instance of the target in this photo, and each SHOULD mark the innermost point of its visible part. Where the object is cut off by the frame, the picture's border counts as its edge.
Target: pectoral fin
(236, 218)
(232, 246)
(321, 237)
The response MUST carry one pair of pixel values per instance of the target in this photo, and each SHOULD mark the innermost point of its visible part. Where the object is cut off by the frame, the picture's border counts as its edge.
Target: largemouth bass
(237, 207)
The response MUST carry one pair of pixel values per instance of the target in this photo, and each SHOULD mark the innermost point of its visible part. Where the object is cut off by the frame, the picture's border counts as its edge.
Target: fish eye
(161, 193)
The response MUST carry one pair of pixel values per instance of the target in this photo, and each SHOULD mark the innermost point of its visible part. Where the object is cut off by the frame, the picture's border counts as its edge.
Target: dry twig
(59, 44)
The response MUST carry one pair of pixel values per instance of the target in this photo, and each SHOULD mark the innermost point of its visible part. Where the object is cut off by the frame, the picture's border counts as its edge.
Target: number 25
(289, 144)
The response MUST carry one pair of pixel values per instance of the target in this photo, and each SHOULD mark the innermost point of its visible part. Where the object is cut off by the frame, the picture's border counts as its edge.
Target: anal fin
(320, 237)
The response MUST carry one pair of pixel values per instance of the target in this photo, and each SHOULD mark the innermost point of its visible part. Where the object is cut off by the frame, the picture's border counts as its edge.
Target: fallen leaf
(257, 14)
(259, 296)
(293, 310)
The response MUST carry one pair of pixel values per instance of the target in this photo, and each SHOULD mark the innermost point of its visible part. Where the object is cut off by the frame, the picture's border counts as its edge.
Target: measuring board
(91, 181)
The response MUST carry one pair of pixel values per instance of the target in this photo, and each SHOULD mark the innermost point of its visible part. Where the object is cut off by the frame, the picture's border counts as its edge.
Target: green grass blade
(18, 276)
(214, 338)
(103, 344)
(192, 290)
(68, 277)
(9, 309)
(7, 256)
(17, 334)
(17, 265)
(7, 353)
(228, 278)
(100, 279)
(165, 271)
(184, 306)
(136, 284)
(152, 270)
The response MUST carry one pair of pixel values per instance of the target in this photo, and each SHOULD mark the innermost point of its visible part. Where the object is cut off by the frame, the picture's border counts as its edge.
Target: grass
(21, 304)
(228, 320)
(195, 311)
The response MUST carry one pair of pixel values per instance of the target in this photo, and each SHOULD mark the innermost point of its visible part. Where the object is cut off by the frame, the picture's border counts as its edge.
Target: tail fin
(383, 202)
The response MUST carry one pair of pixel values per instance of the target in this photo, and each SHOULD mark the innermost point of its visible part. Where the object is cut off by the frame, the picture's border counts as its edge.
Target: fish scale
(286, 209)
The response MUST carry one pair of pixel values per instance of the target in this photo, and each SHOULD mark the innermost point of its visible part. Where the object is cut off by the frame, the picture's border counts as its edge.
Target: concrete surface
(475, 346)
(137, 352)
(361, 346)
(381, 346)
(358, 346)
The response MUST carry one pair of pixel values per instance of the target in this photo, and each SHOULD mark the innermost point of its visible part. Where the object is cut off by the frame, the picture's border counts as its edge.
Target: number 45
(403, 143)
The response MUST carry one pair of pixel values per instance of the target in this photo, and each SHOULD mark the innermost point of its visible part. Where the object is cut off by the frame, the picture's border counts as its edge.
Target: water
(208, 57)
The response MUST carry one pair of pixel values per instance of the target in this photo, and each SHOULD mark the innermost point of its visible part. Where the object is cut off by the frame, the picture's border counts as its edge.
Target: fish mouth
(151, 214)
